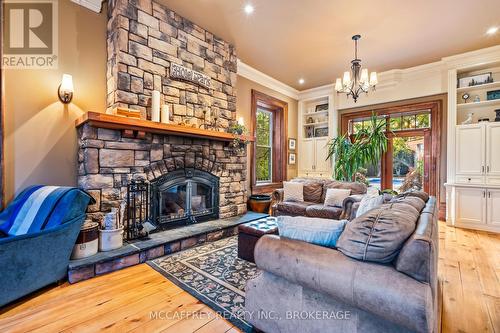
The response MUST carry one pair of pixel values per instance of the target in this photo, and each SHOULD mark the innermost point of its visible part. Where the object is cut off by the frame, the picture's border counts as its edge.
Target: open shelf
(323, 123)
(472, 105)
(480, 87)
(316, 113)
(103, 120)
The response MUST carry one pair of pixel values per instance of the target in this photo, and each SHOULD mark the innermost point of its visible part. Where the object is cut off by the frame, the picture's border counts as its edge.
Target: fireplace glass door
(184, 196)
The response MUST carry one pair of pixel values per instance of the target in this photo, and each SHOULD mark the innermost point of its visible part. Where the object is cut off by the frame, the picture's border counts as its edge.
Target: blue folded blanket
(35, 209)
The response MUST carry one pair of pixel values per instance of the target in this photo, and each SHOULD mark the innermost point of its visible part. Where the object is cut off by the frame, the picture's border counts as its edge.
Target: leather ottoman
(249, 234)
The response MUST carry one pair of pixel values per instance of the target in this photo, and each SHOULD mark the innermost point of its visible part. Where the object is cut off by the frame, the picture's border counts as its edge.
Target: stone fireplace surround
(108, 162)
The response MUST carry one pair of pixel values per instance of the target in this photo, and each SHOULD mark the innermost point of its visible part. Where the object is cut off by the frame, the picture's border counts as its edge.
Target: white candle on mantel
(165, 114)
(155, 106)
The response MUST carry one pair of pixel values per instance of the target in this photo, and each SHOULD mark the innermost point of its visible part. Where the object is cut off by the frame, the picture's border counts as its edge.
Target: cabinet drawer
(469, 179)
(493, 180)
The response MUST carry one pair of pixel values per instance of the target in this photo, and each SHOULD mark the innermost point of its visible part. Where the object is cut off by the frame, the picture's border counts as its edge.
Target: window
(269, 157)
(264, 143)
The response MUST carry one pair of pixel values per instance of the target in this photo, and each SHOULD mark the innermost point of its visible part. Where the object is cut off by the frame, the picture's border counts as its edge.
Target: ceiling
(311, 39)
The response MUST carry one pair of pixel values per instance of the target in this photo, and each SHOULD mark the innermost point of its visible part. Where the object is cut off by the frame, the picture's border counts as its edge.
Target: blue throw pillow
(323, 232)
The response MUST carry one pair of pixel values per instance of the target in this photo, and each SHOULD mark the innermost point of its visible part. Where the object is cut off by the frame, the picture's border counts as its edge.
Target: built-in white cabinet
(471, 205)
(314, 155)
(473, 163)
(478, 154)
(470, 153)
(477, 207)
(493, 152)
(493, 205)
(316, 127)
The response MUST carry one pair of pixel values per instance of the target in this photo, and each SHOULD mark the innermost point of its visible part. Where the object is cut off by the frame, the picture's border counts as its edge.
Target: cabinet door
(493, 206)
(470, 205)
(306, 158)
(470, 150)
(493, 149)
(321, 164)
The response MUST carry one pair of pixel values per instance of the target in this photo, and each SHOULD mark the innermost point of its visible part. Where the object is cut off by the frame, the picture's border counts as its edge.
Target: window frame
(279, 110)
(270, 146)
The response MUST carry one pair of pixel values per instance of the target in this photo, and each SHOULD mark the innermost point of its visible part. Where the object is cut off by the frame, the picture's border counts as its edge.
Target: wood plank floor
(469, 271)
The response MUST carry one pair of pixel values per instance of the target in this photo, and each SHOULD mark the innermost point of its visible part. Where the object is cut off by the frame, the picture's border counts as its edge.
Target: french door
(407, 162)
(412, 157)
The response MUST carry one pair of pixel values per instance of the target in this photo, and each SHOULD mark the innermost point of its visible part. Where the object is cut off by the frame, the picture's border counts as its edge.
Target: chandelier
(356, 81)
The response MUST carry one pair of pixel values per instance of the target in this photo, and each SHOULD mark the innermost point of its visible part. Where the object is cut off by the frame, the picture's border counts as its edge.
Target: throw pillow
(335, 196)
(293, 191)
(368, 203)
(323, 232)
(379, 234)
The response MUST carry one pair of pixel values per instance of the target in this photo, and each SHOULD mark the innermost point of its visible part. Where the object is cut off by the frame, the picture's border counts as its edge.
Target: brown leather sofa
(308, 288)
(314, 197)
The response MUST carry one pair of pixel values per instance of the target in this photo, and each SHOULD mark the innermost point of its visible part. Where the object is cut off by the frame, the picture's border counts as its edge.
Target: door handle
(484, 194)
(489, 194)
(482, 168)
(488, 168)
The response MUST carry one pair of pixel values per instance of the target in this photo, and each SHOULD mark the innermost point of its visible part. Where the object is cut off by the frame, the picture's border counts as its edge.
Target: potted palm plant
(352, 154)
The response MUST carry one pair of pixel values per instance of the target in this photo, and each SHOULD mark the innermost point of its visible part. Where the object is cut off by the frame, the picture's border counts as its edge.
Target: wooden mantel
(103, 120)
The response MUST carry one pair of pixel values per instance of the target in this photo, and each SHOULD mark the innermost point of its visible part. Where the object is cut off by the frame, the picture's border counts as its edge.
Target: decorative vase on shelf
(497, 118)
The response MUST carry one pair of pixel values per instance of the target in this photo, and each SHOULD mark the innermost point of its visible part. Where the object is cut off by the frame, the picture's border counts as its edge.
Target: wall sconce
(65, 90)
(241, 121)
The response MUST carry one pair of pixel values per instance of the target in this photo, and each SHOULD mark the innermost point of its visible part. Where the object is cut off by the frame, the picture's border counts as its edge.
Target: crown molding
(94, 5)
(473, 58)
(257, 76)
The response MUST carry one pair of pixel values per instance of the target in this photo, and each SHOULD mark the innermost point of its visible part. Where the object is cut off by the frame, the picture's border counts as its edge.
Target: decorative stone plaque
(183, 73)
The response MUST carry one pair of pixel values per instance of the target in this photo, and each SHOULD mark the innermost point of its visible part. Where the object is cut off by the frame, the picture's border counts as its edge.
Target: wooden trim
(436, 110)
(109, 121)
(280, 140)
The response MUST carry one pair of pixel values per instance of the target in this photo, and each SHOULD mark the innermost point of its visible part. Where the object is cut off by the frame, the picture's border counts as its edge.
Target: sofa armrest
(276, 197)
(375, 288)
(348, 204)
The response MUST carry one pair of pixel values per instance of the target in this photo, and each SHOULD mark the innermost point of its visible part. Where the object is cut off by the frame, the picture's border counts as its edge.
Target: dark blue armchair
(36, 253)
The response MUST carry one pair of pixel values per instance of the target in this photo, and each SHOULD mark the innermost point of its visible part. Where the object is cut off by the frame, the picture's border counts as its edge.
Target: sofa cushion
(313, 191)
(368, 203)
(415, 202)
(335, 196)
(322, 211)
(416, 256)
(293, 191)
(323, 232)
(419, 194)
(379, 234)
(293, 208)
(356, 188)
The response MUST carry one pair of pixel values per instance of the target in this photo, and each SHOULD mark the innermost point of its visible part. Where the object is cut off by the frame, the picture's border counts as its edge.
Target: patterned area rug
(213, 274)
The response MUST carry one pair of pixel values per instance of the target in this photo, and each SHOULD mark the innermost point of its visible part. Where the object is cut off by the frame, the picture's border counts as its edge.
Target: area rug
(213, 274)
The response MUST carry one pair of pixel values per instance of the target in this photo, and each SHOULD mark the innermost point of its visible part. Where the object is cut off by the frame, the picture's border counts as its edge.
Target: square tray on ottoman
(249, 234)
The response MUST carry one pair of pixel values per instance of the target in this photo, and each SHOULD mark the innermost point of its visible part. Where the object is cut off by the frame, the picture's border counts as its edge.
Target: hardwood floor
(469, 270)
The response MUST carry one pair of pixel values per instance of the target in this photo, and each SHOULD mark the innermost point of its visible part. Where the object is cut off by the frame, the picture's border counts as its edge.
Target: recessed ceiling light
(492, 30)
(301, 81)
(248, 9)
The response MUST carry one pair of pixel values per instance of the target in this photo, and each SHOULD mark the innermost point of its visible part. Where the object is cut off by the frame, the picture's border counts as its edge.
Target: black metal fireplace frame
(178, 177)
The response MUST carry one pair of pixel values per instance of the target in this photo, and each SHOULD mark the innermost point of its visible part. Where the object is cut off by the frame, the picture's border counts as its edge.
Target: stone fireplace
(209, 171)
(191, 178)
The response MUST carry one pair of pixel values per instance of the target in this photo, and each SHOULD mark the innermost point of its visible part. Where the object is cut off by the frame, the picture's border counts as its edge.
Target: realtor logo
(30, 34)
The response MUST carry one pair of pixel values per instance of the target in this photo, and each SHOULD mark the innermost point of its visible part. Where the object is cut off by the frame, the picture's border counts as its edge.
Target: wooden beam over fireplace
(103, 120)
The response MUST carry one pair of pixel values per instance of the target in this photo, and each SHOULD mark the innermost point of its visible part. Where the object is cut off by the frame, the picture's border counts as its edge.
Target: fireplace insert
(184, 196)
